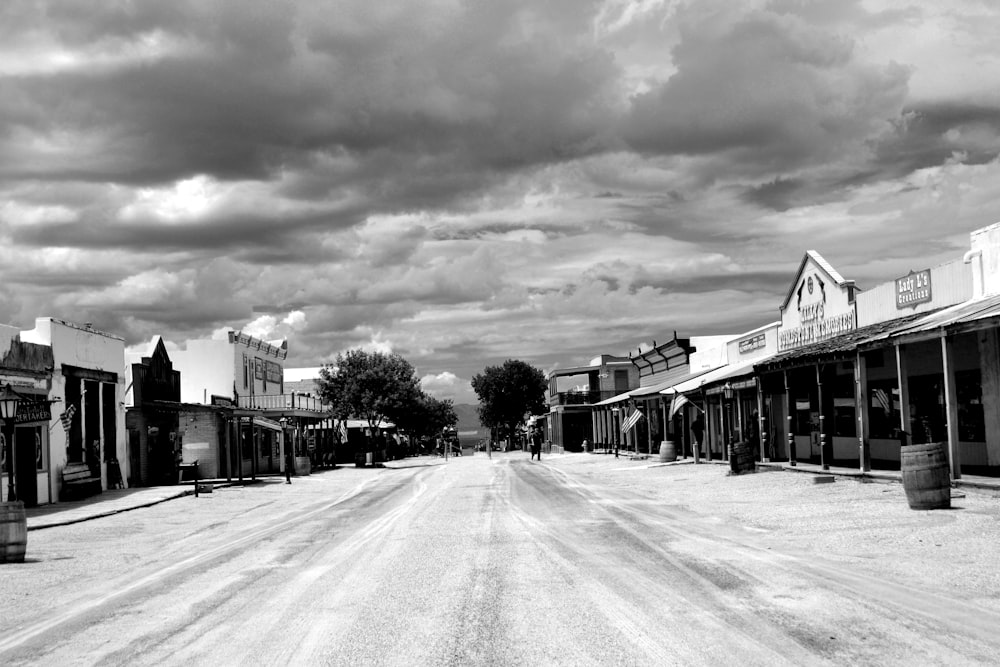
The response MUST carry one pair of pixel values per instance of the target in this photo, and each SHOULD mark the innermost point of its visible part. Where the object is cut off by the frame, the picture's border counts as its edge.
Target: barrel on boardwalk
(926, 479)
(13, 532)
(668, 451)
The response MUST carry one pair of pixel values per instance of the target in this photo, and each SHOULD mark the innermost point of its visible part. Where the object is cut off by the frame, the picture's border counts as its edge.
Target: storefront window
(844, 408)
(969, 390)
(927, 421)
(806, 419)
(883, 409)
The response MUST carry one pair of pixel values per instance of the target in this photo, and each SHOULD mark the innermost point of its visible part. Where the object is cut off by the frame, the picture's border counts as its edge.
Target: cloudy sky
(465, 181)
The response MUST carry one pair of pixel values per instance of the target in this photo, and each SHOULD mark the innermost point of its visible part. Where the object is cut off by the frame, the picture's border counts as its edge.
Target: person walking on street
(536, 443)
(698, 428)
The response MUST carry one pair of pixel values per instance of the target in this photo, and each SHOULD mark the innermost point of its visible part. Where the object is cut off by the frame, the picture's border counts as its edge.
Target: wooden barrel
(926, 477)
(668, 451)
(13, 532)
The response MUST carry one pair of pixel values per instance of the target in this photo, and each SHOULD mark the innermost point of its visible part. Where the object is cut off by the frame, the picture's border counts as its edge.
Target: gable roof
(823, 264)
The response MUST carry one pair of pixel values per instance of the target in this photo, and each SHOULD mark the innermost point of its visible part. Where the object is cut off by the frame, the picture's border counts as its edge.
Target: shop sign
(815, 328)
(748, 345)
(912, 289)
(32, 412)
(222, 401)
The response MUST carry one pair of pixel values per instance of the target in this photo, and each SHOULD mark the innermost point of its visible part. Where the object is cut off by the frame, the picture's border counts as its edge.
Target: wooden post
(861, 400)
(762, 433)
(902, 379)
(824, 463)
(951, 406)
(791, 430)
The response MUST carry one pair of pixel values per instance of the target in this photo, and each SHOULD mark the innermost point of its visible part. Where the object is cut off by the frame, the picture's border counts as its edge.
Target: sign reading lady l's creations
(913, 288)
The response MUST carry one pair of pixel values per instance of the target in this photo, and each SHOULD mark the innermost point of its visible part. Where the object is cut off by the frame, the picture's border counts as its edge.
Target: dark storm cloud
(929, 134)
(769, 92)
(252, 89)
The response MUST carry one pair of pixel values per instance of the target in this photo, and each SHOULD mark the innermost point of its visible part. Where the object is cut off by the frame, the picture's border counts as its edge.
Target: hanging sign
(32, 412)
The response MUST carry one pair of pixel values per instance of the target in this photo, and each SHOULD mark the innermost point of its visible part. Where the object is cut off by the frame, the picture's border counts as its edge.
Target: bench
(78, 481)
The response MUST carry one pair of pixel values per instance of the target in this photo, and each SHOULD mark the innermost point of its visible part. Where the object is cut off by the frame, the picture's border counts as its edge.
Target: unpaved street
(579, 559)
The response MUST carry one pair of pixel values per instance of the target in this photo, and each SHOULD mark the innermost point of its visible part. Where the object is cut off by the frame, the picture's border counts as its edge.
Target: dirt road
(574, 560)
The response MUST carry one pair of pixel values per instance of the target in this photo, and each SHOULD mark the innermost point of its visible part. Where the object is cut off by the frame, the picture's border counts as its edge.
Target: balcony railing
(283, 402)
(580, 397)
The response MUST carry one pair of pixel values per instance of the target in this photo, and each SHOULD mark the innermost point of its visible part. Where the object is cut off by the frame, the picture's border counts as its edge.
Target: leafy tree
(428, 415)
(373, 386)
(509, 392)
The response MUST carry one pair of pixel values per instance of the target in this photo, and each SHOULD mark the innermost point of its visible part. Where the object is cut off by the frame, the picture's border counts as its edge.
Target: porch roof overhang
(836, 348)
(714, 377)
(971, 315)
(301, 413)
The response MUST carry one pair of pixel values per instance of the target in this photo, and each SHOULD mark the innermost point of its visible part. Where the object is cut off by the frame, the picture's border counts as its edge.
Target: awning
(712, 376)
(267, 423)
(842, 346)
(972, 312)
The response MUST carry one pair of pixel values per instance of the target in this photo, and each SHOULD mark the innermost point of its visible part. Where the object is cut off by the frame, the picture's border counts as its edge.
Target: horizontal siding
(951, 283)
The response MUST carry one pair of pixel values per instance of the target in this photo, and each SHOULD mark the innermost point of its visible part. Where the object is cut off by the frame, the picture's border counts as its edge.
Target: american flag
(67, 418)
(883, 400)
(343, 431)
(632, 420)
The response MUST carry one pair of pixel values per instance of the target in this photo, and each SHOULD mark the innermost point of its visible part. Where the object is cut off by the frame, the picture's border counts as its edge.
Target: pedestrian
(698, 428)
(536, 443)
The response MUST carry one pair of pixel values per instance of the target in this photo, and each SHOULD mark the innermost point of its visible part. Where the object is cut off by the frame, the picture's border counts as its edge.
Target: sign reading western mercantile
(913, 288)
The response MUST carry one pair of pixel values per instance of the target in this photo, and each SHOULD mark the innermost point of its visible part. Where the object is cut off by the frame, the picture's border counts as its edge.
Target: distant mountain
(468, 417)
(470, 431)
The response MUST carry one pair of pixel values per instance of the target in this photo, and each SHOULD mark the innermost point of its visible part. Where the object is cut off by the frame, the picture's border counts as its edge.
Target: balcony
(293, 401)
(580, 397)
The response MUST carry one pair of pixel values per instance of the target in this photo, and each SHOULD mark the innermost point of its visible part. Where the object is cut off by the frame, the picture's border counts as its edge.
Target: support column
(951, 406)
(902, 379)
(763, 435)
(861, 402)
(791, 431)
(823, 460)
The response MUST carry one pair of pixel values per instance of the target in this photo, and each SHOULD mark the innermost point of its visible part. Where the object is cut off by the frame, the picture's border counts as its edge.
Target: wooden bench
(78, 481)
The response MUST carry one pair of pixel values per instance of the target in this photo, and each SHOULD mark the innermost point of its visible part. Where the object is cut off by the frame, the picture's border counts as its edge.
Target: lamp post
(727, 391)
(615, 428)
(284, 443)
(8, 410)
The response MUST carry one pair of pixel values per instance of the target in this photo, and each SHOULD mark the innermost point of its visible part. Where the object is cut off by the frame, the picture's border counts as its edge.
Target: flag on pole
(67, 418)
(677, 402)
(343, 431)
(632, 420)
(882, 399)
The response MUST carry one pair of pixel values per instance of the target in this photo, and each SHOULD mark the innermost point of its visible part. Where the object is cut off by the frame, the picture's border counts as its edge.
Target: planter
(668, 451)
(926, 478)
(13, 532)
(741, 458)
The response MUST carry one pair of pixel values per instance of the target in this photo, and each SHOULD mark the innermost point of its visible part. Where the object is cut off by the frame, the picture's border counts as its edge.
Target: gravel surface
(580, 559)
(869, 524)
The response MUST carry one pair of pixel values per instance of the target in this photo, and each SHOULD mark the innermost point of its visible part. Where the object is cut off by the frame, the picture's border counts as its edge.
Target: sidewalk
(966, 481)
(106, 503)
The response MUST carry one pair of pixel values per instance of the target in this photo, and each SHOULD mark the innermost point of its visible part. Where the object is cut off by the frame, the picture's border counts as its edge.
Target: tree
(373, 386)
(428, 416)
(509, 392)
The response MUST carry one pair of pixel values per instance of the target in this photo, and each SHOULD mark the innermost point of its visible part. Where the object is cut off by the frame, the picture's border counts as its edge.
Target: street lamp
(288, 459)
(8, 410)
(615, 428)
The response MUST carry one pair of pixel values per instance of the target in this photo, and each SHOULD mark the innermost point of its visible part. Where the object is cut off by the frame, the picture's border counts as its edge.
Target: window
(806, 419)
(883, 409)
(246, 372)
(969, 391)
(844, 421)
